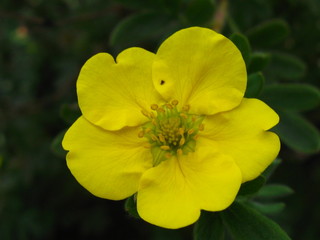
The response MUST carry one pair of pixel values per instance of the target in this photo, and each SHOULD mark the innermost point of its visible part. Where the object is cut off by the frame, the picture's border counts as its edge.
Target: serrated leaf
(243, 45)
(245, 223)
(297, 133)
(258, 62)
(252, 187)
(254, 85)
(297, 97)
(268, 33)
(286, 67)
(130, 206)
(208, 227)
(273, 191)
(268, 208)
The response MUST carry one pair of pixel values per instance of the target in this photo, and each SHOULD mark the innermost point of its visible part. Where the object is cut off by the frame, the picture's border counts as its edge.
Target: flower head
(172, 127)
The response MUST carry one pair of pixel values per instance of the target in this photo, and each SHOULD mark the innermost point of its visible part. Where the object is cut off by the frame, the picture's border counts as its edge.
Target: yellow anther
(144, 112)
(160, 109)
(147, 146)
(169, 106)
(154, 122)
(182, 141)
(152, 115)
(186, 108)
(183, 115)
(196, 137)
(190, 131)
(175, 102)
(194, 118)
(201, 127)
(154, 106)
(162, 139)
(168, 155)
(181, 131)
(147, 130)
(154, 137)
(179, 151)
(164, 147)
(141, 134)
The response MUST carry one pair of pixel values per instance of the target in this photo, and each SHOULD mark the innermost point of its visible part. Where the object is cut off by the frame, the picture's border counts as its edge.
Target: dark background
(43, 45)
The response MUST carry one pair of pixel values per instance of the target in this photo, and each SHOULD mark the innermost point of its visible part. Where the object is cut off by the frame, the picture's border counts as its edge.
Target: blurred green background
(43, 45)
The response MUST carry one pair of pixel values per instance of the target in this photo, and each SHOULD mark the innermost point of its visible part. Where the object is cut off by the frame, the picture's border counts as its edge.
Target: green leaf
(286, 67)
(243, 45)
(245, 223)
(253, 186)
(297, 133)
(269, 171)
(130, 206)
(254, 85)
(268, 208)
(199, 11)
(70, 112)
(258, 62)
(297, 97)
(56, 146)
(272, 191)
(139, 28)
(268, 33)
(208, 227)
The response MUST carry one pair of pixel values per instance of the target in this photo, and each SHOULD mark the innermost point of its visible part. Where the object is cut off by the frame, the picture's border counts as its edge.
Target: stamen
(181, 131)
(184, 115)
(175, 102)
(169, 106)
(154, 137)
(152, 115)
(160, 109)
(190, 131)
(141, 134)
(182, 141)
(161, 137)
(164, 147)
(144, 112)
(168, 155)
(154, 106)
(201, 127)
(179, 151)
(186, 108)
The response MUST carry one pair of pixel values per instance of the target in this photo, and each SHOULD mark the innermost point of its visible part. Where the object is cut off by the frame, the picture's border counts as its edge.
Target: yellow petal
(112, 95)
(241, 133)
(108, 164)
(172, 194)
(202, 68)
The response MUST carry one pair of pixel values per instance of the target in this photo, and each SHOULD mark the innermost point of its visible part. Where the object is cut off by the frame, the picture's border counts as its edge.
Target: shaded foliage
(43, 45)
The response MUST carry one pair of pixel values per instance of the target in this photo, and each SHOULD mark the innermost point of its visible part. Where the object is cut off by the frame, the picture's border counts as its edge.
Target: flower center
(170, 131)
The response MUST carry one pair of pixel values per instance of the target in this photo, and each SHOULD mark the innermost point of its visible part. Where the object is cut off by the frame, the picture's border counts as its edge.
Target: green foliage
(253, 186)
(269, 33)
(296, 132)
(258, 62)
(209, 227)
(45, 43)
(254, 85)
(243, 45)
(293, 97)
(131, 206)
(245, 223)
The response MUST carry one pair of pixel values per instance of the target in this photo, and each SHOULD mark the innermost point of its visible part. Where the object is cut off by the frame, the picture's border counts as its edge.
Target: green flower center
(170, 131)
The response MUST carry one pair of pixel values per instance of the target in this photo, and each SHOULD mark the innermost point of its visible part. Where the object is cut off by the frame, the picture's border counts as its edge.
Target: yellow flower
(172, 127)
